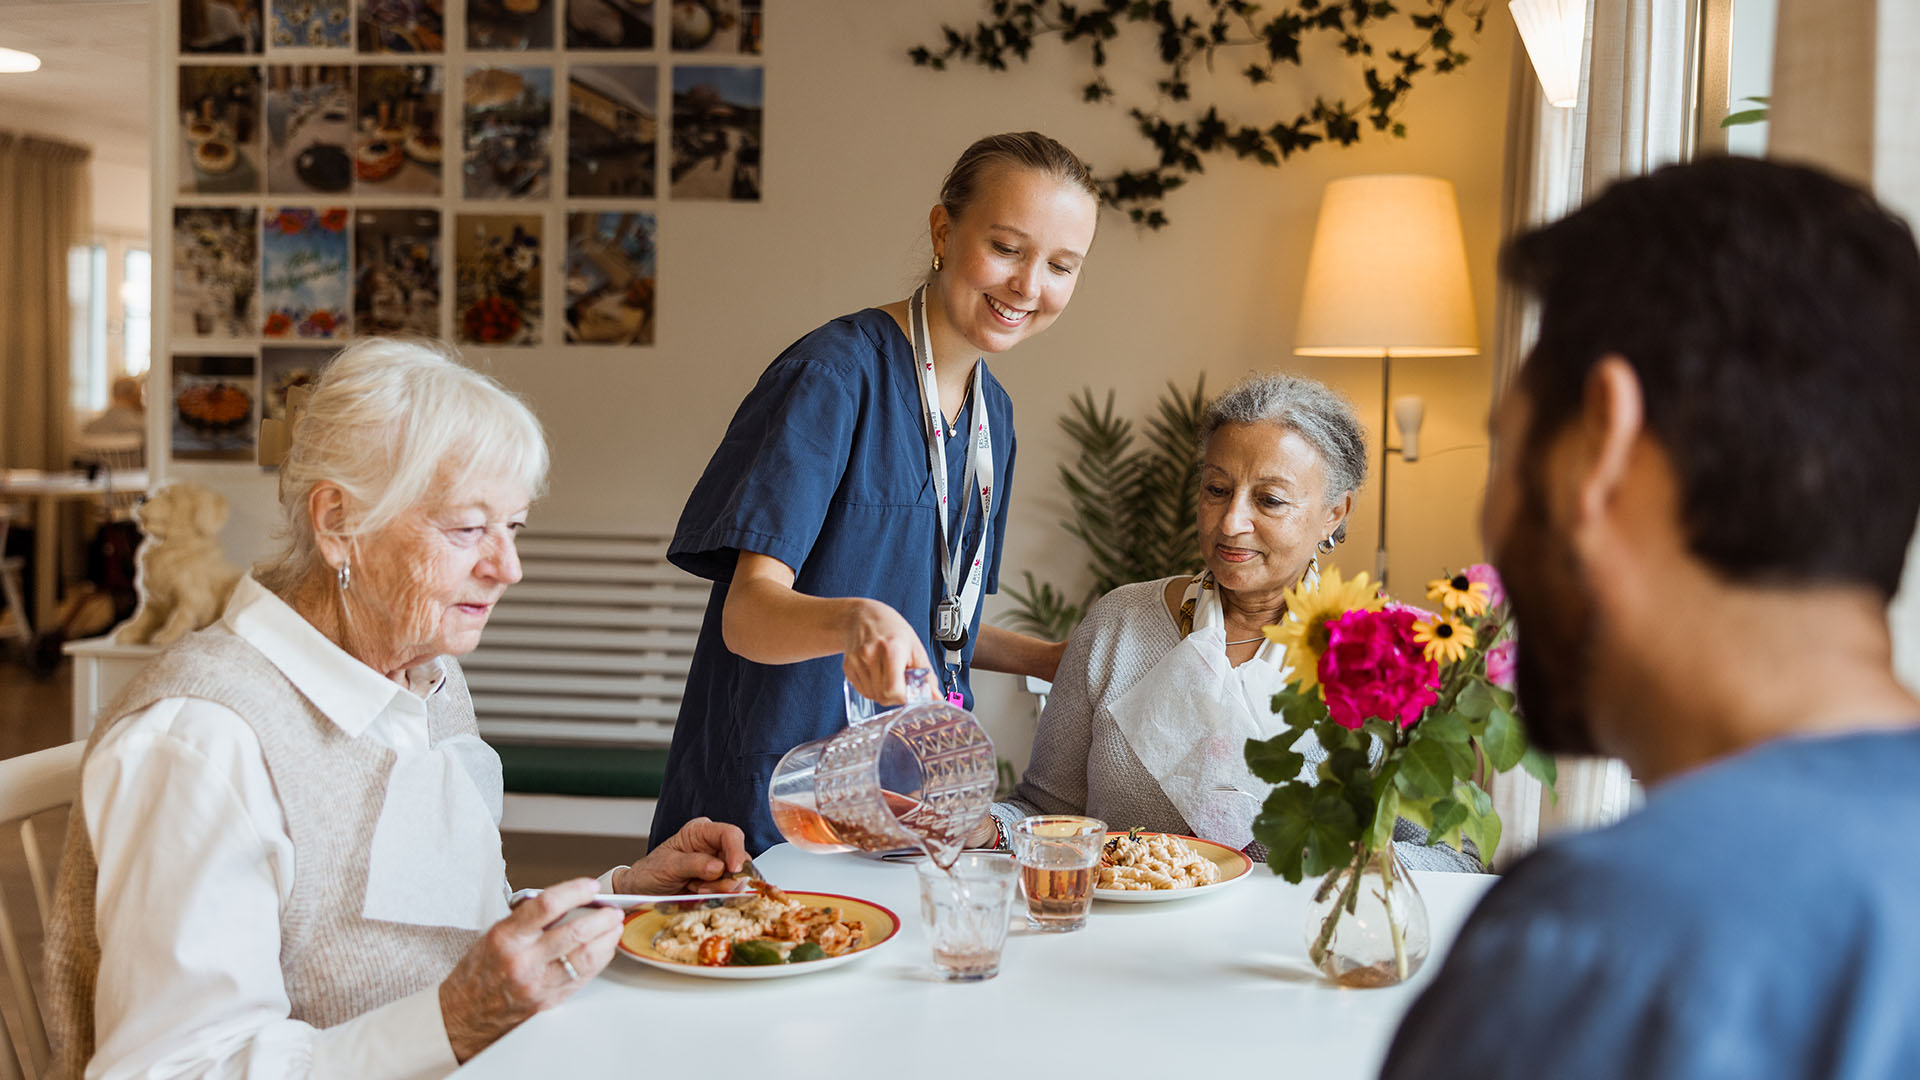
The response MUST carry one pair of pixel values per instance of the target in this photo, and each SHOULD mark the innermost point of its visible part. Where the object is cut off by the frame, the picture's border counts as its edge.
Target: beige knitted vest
(337, 964)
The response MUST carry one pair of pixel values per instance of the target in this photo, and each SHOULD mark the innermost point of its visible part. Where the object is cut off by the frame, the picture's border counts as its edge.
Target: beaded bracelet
(999, 834)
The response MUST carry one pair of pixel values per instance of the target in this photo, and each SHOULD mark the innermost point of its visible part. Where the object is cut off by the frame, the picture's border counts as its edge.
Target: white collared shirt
(196, 865)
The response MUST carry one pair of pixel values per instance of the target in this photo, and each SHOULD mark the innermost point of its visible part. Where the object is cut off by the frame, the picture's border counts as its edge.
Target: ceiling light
(13, 61)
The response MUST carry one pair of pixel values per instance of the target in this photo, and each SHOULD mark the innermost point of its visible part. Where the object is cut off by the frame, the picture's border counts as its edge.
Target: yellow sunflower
(1303, 630)
(1458, 593)
(1446, 638)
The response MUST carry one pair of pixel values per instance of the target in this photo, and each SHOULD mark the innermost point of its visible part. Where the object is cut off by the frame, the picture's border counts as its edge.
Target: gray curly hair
(1308, 407)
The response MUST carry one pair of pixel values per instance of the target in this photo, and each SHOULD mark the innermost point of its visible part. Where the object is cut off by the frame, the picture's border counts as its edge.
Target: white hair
(397, 423)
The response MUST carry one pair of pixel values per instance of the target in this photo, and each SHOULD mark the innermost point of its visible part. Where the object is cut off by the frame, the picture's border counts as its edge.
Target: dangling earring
(1325, 546)
(936, 262)
(346, 573)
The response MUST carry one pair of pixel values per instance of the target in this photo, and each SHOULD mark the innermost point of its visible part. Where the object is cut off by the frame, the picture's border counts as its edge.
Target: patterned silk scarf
(1200, 605)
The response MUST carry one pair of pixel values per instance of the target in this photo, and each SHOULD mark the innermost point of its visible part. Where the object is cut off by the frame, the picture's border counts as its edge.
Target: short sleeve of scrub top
(824, 467)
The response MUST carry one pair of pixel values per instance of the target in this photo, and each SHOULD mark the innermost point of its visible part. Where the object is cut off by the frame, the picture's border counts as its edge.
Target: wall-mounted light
(1553, 32)
(14, 62)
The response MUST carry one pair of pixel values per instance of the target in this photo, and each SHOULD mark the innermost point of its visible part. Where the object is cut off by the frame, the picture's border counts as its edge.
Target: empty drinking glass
(966, 910)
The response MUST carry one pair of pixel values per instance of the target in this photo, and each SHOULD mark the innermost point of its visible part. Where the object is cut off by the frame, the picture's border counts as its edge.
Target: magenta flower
(1488, 576)
(1500, 665)
(1373, 668)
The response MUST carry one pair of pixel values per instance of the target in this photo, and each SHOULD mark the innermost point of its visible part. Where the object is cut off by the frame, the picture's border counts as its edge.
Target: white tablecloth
(1213, 985)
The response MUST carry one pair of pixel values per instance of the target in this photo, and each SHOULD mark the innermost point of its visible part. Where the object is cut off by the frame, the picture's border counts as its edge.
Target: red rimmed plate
(636, 941)
(1234, 867)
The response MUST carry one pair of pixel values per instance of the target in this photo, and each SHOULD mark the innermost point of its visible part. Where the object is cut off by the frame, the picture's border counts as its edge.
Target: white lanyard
(957, 601)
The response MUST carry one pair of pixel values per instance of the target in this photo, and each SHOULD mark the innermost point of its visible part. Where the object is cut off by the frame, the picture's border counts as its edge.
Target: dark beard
(1554, 625)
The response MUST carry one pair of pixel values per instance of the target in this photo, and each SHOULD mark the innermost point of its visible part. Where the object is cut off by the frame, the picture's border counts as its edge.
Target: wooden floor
(35, 713)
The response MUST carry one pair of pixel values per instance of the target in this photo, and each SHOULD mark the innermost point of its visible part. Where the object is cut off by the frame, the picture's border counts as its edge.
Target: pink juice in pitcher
(920, 776)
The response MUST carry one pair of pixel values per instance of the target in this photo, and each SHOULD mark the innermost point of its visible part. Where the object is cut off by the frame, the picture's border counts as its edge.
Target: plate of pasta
(1149, 868)
(770, 936)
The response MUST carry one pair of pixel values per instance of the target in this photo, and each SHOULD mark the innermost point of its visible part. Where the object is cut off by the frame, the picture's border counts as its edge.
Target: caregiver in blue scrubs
(820, 517)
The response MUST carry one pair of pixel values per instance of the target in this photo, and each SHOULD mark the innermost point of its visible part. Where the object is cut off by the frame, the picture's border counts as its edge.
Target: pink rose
(1488, 576)
(1373, 668)
(1500, 665)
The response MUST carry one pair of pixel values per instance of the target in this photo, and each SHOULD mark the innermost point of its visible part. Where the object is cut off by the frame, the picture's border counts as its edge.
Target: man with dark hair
(1704, 483)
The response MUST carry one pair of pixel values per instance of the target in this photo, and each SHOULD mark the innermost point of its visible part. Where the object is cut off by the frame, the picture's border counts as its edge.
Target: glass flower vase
(1367, 924)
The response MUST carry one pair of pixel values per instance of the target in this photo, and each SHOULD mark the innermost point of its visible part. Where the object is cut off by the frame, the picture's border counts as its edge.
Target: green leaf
(1307, 831)
(1745, 116)
(1384, 814)
(1448, 816)
(1334, 737)
(1425, 771)
(1505, 741)
(1274, 760)
(1540, 766)
(1349, 766)
(1447, 727)
(1482, 825)
(1300, 710)
(1460, 758)
(1335, 829)
(1385, 730)
(1475, 701)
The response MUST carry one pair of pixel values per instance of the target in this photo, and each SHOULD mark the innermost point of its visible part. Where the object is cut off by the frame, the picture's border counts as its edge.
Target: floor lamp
(1387, 278)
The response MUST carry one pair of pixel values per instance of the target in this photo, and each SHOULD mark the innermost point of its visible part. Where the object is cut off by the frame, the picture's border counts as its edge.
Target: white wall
(857, 141)
(120, 203)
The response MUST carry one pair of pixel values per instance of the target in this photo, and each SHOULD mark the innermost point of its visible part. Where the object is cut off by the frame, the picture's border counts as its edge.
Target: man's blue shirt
(1760, 918)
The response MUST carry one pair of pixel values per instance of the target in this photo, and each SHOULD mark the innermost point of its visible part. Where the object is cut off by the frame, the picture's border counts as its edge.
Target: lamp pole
(1386, 395)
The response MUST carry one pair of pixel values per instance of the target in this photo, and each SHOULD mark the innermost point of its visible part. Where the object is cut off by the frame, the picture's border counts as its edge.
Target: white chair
(10, 566)
(31, 784)
(118, 457)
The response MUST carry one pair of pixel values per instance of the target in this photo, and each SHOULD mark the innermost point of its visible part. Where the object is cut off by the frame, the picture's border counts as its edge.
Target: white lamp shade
(1388, 272)
(1553, 32)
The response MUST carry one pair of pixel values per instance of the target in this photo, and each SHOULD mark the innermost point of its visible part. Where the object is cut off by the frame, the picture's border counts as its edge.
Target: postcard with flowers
(305, 281)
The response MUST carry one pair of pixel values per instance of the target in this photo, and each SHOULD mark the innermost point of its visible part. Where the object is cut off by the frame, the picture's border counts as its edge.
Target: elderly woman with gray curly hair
(1164, 681)
(285, 858)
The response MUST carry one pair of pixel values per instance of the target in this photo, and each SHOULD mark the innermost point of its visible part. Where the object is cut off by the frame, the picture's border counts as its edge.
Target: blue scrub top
(1754, 922)
(823, 467)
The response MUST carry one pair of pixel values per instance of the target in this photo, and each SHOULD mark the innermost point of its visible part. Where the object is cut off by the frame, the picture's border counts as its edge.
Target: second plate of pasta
(1152, 868)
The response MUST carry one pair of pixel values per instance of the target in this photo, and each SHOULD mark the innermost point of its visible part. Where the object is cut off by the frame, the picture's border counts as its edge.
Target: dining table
(45, 491)
(1217, 984)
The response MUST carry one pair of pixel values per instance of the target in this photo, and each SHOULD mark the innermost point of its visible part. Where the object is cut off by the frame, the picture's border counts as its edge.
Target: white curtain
(1631, 118)
(1846, 89)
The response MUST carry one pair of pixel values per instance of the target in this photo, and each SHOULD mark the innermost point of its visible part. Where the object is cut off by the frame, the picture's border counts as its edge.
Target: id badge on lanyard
(961, 573)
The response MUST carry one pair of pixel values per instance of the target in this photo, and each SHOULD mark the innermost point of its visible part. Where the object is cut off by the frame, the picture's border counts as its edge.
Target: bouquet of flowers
(1414, 710)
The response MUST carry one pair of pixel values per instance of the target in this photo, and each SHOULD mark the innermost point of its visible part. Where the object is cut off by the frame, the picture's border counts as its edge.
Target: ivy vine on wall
(1227, 31)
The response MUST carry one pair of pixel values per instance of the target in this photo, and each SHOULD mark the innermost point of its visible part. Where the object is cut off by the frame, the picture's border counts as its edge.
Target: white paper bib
(436, 847)
(1188, 721)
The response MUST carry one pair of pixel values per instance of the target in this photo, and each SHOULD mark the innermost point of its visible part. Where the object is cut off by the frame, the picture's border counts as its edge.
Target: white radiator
(592, 646)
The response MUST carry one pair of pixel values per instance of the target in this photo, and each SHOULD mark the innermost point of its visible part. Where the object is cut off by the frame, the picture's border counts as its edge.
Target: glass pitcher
(917, 776)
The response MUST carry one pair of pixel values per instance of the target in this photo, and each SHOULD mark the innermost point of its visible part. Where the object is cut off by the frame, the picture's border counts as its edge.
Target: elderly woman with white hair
(285, 857)
(1164, 681)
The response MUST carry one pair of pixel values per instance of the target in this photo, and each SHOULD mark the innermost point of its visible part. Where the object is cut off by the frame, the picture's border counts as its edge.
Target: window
(136, 299)
(110, 289)
(86, 290)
